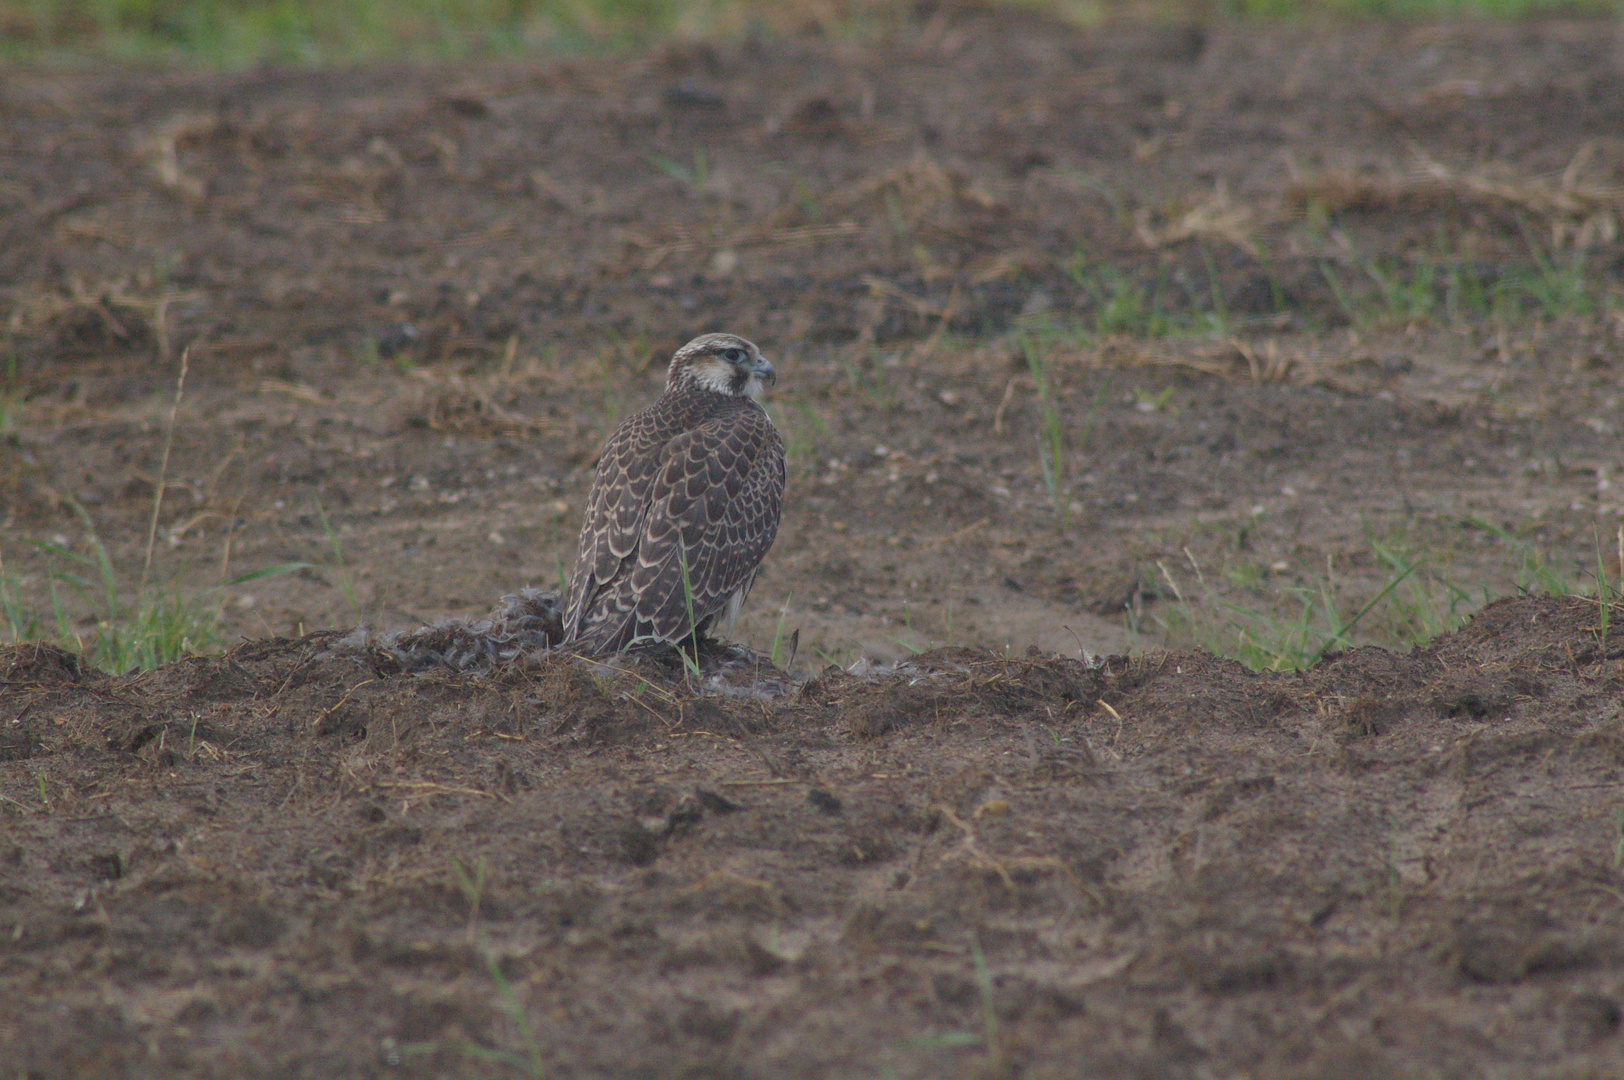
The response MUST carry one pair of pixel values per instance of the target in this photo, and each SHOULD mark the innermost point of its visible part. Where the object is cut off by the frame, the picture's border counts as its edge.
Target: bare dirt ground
(414, 302)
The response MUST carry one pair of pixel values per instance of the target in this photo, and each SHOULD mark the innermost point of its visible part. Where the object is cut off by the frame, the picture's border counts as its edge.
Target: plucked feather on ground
(527, 626)
(526, 623)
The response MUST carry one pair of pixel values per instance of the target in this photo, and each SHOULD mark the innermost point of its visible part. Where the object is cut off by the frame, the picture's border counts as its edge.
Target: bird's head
(722, 364)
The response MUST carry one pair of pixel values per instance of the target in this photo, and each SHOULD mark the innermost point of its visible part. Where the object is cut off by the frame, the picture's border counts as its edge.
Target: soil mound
(297, 859)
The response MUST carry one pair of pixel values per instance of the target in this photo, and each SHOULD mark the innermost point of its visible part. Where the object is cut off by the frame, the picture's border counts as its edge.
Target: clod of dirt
(692, 94)
(1369, 716)
(1475, 695)
(35, 662)
(716, 804)
(1531, 944)
(1587, 1019)
(639, 844)
(824, 803)
(816, 117)
(17, 745)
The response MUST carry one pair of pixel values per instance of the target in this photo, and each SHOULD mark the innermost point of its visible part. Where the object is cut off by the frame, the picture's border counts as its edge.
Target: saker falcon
(694, 482)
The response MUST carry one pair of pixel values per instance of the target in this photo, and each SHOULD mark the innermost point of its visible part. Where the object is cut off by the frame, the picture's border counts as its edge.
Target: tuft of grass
(869, 379)
(1549, 286)
(160, 624)
(1216, 320)
(163, 468)
(21, 624)
(611, 389)
(1427, 606)
(1607, 592)
(955, 1040)
(1468, 291)
(802, 425)
(1161, 401)
(1403, 297)
(366, 351)
(341, 570)
(471, 883)
(1291, 643)
(1427, 287)
(163, 627)
(1050, 436)
(989, 1013)
(472, 887)
(907, 624)
(690, 662)
(1392, 293)
(1535, 570)
(533, 1063)
(1295, 626)
(831, 660)
(1121, 304)
(1125, 306)
(693, 177)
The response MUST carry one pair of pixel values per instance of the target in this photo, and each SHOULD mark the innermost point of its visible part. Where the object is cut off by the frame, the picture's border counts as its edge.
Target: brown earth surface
(414, 301)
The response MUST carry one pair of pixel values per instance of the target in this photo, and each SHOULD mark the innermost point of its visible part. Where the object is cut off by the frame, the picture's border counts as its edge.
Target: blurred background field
(1077, 286)
(1079, 292)
(221, 33)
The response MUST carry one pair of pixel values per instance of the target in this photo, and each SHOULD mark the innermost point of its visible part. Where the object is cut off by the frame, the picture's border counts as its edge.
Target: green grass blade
(1347, 629)
(515, 1010)
(269, 572)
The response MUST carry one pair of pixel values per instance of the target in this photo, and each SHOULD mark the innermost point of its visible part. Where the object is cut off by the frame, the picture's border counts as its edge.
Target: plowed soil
(1017, 837)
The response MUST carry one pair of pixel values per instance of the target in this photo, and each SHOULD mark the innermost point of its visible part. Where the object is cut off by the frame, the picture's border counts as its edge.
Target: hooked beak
(763, 370)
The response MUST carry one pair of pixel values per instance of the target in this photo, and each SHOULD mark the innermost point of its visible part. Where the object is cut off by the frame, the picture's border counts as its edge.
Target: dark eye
(733, 356)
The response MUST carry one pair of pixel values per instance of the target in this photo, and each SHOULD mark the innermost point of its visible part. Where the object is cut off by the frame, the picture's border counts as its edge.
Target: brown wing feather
(717, 504)
(698, 480)
(615, 508)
